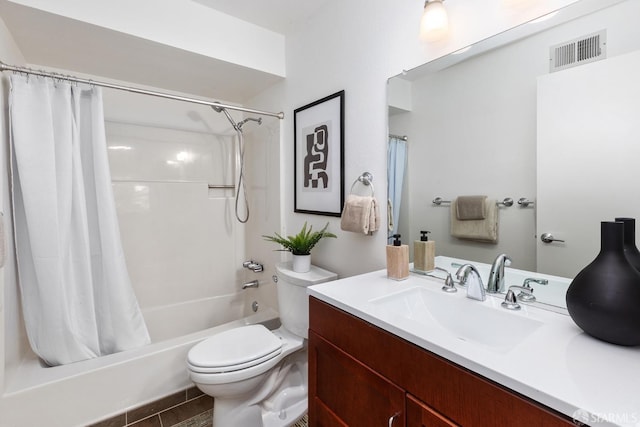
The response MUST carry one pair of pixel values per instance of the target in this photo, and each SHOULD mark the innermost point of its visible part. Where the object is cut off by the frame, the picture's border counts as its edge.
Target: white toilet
(258, 377)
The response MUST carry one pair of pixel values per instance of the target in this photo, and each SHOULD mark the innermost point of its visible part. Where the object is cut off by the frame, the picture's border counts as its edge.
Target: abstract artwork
(319, 156)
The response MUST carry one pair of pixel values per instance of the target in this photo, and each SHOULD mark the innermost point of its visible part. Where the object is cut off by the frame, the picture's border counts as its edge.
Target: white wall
(356, 46)
(262, 168)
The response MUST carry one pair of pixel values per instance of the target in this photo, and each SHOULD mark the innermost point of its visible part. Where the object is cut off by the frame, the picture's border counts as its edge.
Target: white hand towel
(374, 216)
(360, 215)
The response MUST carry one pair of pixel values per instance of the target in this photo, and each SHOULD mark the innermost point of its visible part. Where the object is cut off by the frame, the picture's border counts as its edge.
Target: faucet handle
(534, 280)
(449, 286)
(528, 297)
(256, 267)
(511, 301)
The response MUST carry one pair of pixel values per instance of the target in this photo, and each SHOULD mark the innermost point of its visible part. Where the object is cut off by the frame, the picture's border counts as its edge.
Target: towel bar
(508, 201)
(438, 201)
(524, 202)
(367, 179)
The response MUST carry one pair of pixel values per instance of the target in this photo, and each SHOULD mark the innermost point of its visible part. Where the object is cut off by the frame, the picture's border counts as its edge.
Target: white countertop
(558, 365)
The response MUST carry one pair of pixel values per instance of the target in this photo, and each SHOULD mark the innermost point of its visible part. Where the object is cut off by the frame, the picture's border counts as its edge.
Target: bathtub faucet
(256, 267)
(251, 284)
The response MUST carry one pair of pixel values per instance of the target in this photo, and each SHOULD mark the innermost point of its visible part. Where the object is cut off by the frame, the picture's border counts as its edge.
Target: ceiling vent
(589, 48)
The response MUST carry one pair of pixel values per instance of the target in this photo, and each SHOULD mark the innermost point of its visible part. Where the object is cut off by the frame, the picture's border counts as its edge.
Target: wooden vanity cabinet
(361, 375)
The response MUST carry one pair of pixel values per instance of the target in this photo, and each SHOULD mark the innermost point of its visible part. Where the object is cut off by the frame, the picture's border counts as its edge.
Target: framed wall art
(319, 156)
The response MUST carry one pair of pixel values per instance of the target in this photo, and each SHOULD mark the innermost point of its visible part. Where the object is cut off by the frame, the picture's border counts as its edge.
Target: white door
(588, 165)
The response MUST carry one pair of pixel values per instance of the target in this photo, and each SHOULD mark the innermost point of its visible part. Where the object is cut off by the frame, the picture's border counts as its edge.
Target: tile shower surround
(187, 408)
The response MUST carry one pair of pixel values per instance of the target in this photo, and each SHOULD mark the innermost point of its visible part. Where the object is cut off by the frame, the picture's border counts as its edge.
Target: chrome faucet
(469, 274)
(251, 284)
(496, 275)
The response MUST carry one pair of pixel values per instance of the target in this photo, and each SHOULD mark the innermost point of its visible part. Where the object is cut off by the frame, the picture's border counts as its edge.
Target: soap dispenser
(424, 252)
(397, 259)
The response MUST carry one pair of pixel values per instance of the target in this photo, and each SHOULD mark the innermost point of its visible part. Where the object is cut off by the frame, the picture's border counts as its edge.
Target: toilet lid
(234, 349)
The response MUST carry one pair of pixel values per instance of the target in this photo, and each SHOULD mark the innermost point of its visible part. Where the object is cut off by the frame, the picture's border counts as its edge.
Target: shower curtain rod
(6, 67)
(402, 137)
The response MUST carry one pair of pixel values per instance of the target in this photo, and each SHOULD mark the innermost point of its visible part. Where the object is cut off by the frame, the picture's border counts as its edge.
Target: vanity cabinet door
(421, 415)
(344, 392)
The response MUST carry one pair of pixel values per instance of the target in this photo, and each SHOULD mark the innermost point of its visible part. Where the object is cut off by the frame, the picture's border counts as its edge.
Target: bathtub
(84, 392)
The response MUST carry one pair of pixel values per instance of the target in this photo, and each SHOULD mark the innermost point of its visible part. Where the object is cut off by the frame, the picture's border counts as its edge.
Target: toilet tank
(293, 300)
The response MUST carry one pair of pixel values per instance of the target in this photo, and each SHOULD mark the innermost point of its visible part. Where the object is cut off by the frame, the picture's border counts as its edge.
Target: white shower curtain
(77, 298)
(396, 165)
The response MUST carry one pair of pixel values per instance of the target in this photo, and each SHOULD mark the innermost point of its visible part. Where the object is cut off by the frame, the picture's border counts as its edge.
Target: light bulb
(434, 24)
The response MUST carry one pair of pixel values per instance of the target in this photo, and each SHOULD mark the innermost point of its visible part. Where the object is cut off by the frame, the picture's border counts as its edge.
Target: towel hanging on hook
(361, 214)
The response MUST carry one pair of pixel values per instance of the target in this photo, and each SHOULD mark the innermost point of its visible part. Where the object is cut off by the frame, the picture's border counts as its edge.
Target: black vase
(630, 249)
(604, 298)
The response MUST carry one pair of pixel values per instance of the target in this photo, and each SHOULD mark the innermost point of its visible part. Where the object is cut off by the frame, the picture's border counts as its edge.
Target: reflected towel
(471, 207)
(480, 230)
(360, 215)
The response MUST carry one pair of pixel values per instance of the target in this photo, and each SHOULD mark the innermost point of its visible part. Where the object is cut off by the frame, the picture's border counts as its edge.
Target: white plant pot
(301, 263)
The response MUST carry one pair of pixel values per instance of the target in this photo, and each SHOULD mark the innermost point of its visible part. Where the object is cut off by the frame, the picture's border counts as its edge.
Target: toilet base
(279, 401)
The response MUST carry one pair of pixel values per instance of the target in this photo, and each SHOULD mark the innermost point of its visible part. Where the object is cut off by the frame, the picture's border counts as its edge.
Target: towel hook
(367, 179)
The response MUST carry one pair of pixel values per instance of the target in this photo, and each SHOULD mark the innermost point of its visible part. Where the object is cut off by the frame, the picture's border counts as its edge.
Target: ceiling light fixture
(434, 24)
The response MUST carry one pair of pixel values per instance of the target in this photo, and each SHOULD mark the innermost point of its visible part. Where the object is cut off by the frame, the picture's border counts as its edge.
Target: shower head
(226, 113)
(236, 126)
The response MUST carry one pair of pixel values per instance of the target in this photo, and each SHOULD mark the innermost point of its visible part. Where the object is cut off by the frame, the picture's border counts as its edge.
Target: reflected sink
(483, 323)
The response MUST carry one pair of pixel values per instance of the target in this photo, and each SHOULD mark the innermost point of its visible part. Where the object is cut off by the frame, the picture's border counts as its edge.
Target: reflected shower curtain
(77, 298)
(396, 165)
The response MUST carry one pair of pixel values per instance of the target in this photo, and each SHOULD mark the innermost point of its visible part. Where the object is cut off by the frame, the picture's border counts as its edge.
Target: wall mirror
(493, 119)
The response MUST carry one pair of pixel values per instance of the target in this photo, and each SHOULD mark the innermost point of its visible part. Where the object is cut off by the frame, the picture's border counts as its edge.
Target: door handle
(548, 238)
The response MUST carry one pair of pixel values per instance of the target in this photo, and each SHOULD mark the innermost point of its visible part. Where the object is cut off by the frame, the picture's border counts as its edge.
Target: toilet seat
(233, 350)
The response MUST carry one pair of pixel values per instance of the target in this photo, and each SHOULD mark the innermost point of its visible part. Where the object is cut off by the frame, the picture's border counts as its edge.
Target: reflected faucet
(496, 276)
(475, 288)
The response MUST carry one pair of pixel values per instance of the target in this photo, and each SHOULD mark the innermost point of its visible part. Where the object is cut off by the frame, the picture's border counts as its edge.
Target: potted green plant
(300, 245)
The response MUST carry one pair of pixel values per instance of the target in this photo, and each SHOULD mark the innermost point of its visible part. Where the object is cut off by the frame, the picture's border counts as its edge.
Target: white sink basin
(484, 323)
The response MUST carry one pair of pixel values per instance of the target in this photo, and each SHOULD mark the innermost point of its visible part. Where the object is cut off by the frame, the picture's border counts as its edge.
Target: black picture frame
(318, 184)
